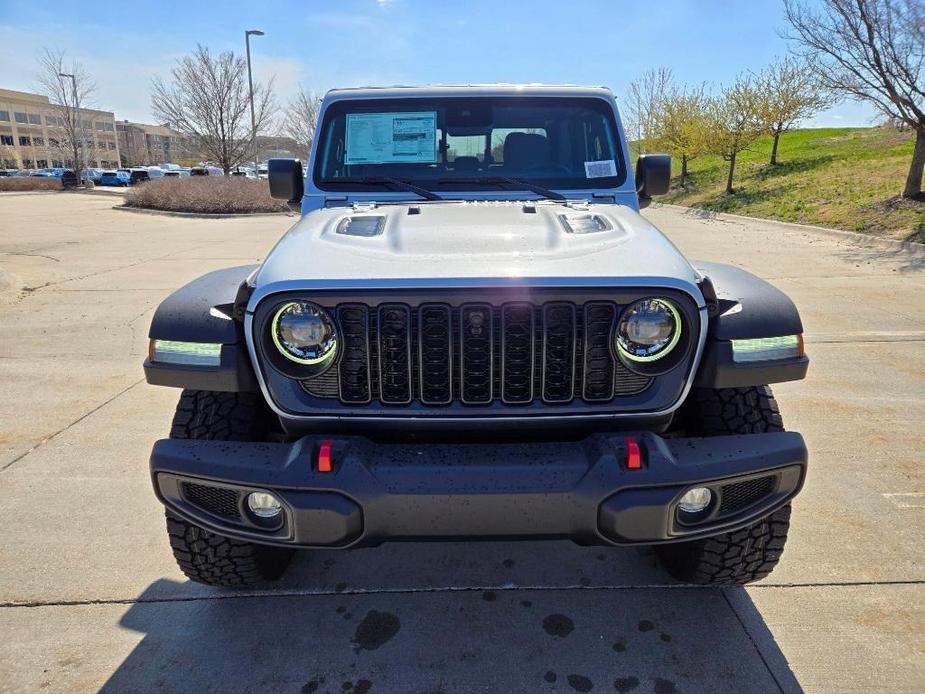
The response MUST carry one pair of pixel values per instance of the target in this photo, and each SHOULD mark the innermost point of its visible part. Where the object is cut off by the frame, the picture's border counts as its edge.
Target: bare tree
(301, 117)
(873, 51)
(735, 119)
(71, 132)
(682, 124)
(793, 93)
(208, 102)
(643, 102)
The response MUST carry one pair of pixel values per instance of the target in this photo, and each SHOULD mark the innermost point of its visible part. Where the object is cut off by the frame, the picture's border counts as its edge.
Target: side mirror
(653, 176)
(286, 181)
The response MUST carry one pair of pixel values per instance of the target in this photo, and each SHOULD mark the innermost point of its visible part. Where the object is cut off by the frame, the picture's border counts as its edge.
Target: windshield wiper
(386, 181)
(509, 182)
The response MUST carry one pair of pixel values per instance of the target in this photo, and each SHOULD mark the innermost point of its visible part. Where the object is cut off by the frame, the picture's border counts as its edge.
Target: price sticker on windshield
(600, 169)
(391, 138)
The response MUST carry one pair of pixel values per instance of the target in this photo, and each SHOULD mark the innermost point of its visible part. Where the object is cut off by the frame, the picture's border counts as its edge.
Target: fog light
(695, 500)
(263, 504)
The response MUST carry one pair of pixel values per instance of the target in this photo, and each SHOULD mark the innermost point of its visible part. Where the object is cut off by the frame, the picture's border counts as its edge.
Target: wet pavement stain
(526, 603)
(340, 587)
(376, 629)
(585, 581)
(665, 637)
(508, 563)
(580, 683)
(311, 686)
(362, 687)
(489, 596)
(664, 686)
(558, 625)
(626, 684)
(550, 677)
(620, 646)
(646, 625)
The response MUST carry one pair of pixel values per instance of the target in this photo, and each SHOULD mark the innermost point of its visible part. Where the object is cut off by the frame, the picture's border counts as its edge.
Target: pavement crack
(82, 417)
(251, 595)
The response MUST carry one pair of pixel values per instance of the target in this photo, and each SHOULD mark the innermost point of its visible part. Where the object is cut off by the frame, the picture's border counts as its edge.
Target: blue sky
(368, 42)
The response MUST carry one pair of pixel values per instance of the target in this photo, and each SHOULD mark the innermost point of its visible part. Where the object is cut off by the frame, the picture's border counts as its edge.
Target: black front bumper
(579, 490)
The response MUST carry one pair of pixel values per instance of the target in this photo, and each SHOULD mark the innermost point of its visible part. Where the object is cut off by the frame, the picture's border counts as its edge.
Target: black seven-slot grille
(476, 354)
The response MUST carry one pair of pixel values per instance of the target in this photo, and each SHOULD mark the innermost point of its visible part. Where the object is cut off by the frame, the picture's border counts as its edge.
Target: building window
(57, 163)
(5, 115)
(35, 119)
(6, 140)
(25, 140)
(108, 127)
(21, 117)
(112, 145)
(41, 164)
(52, 142)
(38, 141)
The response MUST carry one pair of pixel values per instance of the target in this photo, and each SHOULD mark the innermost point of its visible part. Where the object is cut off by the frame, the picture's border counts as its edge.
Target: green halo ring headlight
(648, 330)
(305, 334)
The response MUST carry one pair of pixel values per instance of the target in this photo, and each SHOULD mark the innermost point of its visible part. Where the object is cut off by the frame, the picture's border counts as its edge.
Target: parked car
(48, 173)
(114, 178)
(155, 172)
(546, 365)
(69, 179)
(262, 172)
(92, 175)
(206, 171)
(177, 173)
(137, 176)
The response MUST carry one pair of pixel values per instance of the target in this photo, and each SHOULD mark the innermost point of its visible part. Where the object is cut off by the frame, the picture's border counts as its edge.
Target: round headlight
(304, 333)
(648, 330)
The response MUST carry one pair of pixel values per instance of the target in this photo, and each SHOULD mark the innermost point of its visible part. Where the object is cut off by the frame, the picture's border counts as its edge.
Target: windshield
(469, 144)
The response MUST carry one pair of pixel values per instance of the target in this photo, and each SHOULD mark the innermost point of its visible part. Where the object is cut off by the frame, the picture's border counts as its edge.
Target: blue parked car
(114, 178)
(48, 173)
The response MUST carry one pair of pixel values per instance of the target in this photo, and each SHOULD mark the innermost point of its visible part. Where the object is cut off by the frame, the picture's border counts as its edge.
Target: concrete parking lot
(90, 597)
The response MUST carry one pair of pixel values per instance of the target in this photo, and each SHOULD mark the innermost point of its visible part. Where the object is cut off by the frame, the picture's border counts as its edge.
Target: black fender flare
(207, 310)
(743, 306)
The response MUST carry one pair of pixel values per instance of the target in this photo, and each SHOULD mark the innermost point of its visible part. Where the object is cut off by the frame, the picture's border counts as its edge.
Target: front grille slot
(477, 354)
(395, 354)
(219, 501)
(435, 346)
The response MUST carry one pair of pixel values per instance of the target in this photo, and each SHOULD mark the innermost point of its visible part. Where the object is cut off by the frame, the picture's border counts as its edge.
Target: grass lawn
(847, 178)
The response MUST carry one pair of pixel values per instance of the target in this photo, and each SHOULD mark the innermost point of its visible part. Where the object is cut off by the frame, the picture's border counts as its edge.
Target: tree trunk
(774, 147)
(913, 187)
(732, 168)
(683, 169)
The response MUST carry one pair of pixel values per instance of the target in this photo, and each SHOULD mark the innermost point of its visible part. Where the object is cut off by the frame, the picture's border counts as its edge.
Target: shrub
(205, 194)
(29, 183)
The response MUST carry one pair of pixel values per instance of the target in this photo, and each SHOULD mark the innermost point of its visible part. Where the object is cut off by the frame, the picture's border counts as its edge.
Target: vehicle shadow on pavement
(462, 617)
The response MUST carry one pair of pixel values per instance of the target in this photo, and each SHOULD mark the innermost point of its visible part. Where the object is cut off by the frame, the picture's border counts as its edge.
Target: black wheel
(202, 555)
(744, 555)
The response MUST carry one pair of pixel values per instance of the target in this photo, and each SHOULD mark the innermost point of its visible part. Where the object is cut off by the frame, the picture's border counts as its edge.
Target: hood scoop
(365, 225)
(584, 223)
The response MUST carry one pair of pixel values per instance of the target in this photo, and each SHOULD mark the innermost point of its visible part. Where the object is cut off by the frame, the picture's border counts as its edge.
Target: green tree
(735, 119)
(681, 124)
(794, 93)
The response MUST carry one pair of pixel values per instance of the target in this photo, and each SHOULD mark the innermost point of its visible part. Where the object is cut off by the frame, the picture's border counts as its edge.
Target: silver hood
(475, 243)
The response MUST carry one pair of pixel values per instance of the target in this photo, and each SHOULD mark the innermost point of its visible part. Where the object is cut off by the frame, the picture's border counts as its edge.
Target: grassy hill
(847, 178)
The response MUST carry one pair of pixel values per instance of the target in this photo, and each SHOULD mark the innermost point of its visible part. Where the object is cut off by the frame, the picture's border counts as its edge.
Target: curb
(199, 215)
(858, 238)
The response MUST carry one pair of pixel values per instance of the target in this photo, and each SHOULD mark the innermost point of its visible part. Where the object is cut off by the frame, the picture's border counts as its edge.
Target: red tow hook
(325, 456)
(633, 454)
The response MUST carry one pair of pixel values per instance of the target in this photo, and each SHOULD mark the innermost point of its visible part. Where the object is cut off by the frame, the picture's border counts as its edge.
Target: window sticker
(389, 138)
(600, 169)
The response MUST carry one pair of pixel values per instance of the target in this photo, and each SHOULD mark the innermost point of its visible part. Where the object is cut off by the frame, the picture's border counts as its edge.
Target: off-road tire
(202, 555)
(745, 555)
(221, 561)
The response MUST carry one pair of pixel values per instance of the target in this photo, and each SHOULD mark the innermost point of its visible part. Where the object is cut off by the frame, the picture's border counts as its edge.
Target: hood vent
(584, 223)
(361, 225)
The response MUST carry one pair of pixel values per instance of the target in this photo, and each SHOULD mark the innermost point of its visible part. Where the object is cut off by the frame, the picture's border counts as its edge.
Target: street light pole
(82, 164)
(250, 82)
